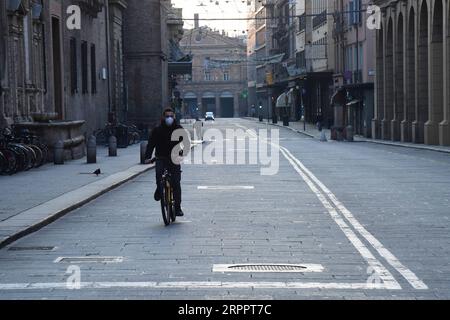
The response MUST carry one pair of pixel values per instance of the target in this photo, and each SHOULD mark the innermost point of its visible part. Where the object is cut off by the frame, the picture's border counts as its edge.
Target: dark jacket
(161, 140)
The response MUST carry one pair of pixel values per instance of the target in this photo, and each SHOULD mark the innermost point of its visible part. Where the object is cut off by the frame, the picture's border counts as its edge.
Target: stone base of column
(376, 134)
(405, 131)
(385, 129)
(431, 133)
(395, 130)
(444, 133)
(417, 132)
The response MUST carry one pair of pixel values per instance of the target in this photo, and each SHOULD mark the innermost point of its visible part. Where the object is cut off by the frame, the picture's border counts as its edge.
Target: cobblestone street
(367, 221)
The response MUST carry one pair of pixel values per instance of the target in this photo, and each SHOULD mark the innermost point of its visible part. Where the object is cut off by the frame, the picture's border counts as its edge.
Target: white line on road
(195, 285)
(227, 188)
(377, 245)
(377, 266)
(307, 176)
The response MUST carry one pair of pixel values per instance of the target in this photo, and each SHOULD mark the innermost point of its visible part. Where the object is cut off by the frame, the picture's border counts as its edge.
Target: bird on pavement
(97, 172)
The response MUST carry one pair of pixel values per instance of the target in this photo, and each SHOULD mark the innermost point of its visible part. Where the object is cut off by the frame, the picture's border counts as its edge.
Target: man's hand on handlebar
(150, 161)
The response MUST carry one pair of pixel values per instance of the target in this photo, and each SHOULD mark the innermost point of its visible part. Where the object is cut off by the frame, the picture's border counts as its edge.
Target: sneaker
(179, 212)
(157, 195)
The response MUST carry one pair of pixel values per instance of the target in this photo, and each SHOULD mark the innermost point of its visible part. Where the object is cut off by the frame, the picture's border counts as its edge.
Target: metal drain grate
(90, 259)
(267, 267)
(31, 248)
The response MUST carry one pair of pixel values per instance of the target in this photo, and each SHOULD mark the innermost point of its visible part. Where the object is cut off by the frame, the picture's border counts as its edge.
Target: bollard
(58, 153)
(323, 137)
(112, 146)
(143, 151)
(349, 134)
(92, 150)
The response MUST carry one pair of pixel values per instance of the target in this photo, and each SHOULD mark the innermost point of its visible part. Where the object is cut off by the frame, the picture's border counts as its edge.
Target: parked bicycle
(126, 135)
(20, 153)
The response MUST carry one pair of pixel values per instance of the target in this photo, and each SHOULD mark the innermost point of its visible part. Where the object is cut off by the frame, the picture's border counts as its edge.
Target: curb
(47, 218)
(412, 146)
(289, 128)
(357, 139)
(68, 202)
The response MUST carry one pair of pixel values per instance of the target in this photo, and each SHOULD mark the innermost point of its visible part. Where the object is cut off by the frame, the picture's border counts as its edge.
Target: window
(207, 76)
(226, 76)
(73, 66)
(93, 70)
(84, 67)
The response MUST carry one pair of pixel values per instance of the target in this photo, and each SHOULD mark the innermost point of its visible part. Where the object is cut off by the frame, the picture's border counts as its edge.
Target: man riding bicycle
(161, 140)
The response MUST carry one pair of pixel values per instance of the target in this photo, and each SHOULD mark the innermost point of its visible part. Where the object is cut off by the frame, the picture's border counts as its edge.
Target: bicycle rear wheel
(165, 203)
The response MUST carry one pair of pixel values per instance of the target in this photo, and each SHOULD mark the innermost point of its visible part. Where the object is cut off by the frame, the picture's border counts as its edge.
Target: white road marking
(195, 285)
(89, 259)
(227, 188)
(377, 266)
(415, 282)
(307, 268)
(375, 243)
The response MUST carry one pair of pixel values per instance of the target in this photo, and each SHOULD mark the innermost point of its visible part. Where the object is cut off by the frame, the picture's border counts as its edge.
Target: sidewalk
(311, 131)
(33, 199)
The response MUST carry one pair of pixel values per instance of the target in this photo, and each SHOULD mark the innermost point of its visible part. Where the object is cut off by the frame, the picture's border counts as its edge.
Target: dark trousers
(175, 171)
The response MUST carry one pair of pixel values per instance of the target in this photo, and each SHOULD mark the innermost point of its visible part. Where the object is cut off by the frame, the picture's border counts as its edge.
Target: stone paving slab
(41, 214)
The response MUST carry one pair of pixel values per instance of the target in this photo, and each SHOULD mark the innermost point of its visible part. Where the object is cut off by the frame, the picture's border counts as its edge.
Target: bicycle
(167, 196)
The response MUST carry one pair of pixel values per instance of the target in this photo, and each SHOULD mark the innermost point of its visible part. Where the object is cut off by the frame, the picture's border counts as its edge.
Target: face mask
(169, 121)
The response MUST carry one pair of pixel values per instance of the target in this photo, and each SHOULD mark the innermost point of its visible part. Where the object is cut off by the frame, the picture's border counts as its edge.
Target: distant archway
(209, 102)
(226, 104)
(190, 102)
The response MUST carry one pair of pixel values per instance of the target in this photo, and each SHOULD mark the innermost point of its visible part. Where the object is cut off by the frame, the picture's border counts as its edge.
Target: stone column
(388, 85)
(408, 76)
(435, 92)
(416, 130)
(444, 126)
(379, 86)
(397, 74)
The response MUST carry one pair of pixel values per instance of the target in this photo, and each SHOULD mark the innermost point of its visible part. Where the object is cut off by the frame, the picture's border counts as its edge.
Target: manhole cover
(90, 259)
(267, 267)
(31, 248)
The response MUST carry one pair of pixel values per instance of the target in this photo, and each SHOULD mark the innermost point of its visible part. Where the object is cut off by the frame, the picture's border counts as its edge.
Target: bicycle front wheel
(165, 204)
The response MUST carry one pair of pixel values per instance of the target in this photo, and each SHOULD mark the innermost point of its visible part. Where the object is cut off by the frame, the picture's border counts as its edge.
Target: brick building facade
(220, 89)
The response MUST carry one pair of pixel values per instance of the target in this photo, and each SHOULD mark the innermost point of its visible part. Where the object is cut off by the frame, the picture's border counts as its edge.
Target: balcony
(319, 19)
(91, 7)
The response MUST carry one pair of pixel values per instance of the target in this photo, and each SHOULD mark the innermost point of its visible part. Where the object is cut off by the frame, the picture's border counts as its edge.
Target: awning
(179, 63)
(283, 101)
(180, 67)
(339, 97)
(353, 102)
